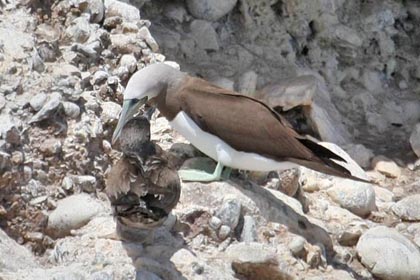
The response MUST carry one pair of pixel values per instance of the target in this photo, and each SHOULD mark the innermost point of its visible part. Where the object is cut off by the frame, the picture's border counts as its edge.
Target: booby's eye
(135, 100)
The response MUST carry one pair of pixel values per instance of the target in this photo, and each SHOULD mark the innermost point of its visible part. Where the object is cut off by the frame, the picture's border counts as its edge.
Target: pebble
(99, 77)
(50, 147)
(415, 140)
(360, 154)
(229, 213)
(144, 34)
(129, 61)
(97, 10)
(249, 230)
(215, 223)
(210, 10)
(110, 112)
(358, 198)
(224, 232)
(71, 109)
(72, 212)
(386, 166)
(388, 254)
(126, 11)
(297, 246)
(408, 208)
(86, 183)
(204, 35)
(37, 101)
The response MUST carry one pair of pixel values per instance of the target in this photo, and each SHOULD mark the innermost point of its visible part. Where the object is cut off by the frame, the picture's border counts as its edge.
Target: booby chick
(142, 186)
(235, 130)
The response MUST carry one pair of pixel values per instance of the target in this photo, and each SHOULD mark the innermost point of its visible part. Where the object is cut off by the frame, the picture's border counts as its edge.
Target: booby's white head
(144, 85)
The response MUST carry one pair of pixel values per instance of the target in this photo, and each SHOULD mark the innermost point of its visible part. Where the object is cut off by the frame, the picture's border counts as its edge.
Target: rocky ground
(345, 71)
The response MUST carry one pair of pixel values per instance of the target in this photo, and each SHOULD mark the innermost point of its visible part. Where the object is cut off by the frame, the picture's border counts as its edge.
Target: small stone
(50, 147)
(97, 10)
(249, 230)
(183, 150)
(386, 166)
(120, 9)
(359, 198)
(415, 140)
(360, 154)
(67, 184)
(13, 136)
(388, 254)
(110, 112)
(215, 223)
(79, 30)
(17, 158)
(229, 213)
(224, 232)
(289, 181)
(129, 61)
(144, 34)
(99, 77)
(37, 101)
(71, 109)
(34, 236)
(71, 213)
(297, 246)
(38, 200)
(408, 209)
(210, 10)
(86, 183)
(204, 35)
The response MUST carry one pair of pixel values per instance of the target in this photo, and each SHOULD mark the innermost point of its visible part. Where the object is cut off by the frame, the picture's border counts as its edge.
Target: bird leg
(201, 176)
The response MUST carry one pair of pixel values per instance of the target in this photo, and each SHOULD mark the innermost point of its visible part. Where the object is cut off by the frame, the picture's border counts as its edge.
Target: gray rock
(37, 101)
(129, 61)
(360, 154)
(72, 110)
(210, 10)
(249, 231)
(204, 34)
(229, 213)
(79, 30)
(49, 109)
(415, 140)
(247, 83)
(72, 212)
(408, 208)
(86, 183)
(146, 275)
(388, 254)
(110, 112)
(215, 223)
(124, 10)
(359, 198)
(99, 77)
(224, 232)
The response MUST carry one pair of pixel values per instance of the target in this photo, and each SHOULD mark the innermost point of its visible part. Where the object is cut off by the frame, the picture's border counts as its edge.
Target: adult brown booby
(235, 130)
(142, 186)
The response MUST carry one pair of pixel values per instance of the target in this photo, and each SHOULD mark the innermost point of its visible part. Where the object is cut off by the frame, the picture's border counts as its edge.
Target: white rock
(210, 9)
(388, 254)
(384, 198)
(97, 10)
(144, 34)
(79, 30)
(110, 111)
(408, 208)
(71, 213)
(121, 9)
(204, 34)
(415, 140)
(358, 198)
(386, 166)
(129, 61)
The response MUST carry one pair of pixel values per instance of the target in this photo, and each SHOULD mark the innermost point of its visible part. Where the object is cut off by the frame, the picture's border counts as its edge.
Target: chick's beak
(129, 109)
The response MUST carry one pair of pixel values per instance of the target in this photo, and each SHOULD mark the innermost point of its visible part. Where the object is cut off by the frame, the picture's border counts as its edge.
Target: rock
(255, 261)
(200, 163)
(37, 101)
(383, 197)
(79, 30)
(14, 257)
(210, 10)
(249, 230)
(117, 8)
(97, 10)
(297, 246)
(360, 154)
(50, 147)
(144, 34)
(386, 166)
(229, 213)
(289, 181)
(415, 140)
(388, 254)
(86, 183)
(215, 223)
(224, 232)
(72, 212)
(129, 61)
(71, 109)
(247, 83)
(290, 93)
(110, 112)
(408, 209)
(359, 198)
(49, 109)
(99, 77)
(204, 34)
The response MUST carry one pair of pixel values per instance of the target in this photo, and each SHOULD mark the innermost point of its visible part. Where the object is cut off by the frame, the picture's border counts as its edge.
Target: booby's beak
(129, 109)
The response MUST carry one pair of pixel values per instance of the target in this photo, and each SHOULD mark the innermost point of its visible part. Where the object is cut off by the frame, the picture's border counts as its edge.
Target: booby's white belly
(220, 151)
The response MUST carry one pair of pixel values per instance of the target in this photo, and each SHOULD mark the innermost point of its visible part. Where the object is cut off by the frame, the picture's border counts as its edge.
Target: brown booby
(235, 130)
(142, 186)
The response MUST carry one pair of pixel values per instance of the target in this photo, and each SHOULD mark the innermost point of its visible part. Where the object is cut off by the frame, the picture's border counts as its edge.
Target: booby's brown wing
(249, 125)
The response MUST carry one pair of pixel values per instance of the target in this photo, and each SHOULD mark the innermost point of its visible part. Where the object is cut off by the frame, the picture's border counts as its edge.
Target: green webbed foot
(201, 176)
